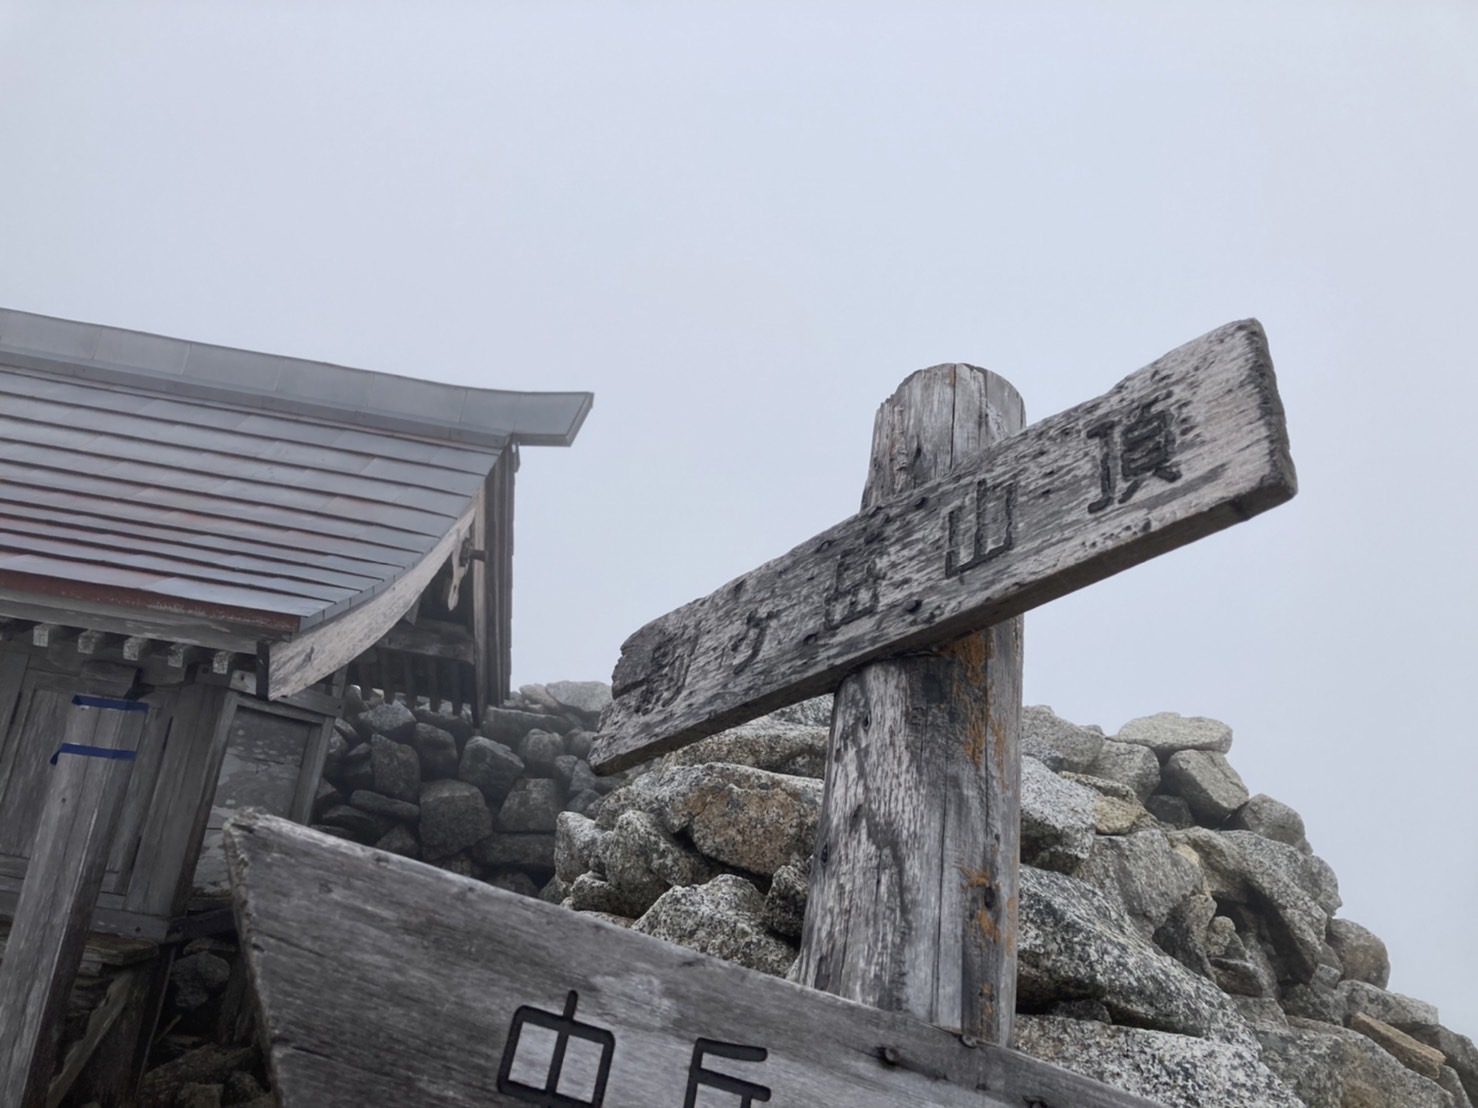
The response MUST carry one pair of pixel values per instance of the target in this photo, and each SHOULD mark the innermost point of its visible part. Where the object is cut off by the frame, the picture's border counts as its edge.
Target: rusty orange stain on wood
(987, 925)
(975, 878)
(970, 656)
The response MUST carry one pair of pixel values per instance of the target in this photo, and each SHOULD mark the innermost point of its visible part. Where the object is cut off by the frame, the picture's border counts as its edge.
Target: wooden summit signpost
(907, 611)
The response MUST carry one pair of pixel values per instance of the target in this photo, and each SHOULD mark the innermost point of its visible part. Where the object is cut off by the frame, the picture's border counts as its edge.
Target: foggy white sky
(742, 225)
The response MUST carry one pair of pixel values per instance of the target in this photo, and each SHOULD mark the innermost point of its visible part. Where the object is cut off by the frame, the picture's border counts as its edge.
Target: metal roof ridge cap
(181, 382)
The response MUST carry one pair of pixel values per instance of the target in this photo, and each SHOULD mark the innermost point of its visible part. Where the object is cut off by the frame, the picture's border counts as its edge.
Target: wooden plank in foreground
(1187, 446)
(384, 981)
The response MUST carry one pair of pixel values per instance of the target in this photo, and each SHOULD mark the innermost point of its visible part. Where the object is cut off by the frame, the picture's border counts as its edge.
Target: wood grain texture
(913, 883)
(69, 854)
(397, 983)
(1189, 445)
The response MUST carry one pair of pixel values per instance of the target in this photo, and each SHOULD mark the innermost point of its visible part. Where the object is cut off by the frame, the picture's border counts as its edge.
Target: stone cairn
(1178, 937)
(480, 804)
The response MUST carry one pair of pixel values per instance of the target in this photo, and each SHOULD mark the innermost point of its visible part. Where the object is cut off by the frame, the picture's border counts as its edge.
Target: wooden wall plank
(180, 804)
(84, 798)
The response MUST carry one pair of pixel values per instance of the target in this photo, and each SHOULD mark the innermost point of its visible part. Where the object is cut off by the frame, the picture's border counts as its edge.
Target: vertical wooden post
(914, 880)
(65, 873)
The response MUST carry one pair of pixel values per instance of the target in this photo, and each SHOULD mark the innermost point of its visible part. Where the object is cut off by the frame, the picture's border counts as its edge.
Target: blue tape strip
(93, 752)
(108, 702)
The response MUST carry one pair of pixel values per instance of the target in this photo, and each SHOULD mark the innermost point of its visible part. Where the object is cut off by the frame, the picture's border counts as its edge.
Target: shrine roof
(256, 493)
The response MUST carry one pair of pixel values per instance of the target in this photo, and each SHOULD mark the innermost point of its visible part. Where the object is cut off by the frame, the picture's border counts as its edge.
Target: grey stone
(1183, 934)
(642, 861)
(815, 712)
(588, 698)
(578, 845)
(338, 746)
(437, 750)
(354, 701)
(242, 1087)
(196, 1095)
(1135, 767)
(459, 727)
(453, 817)
(401, 840)
(1361, 952)
(1247, 869)
(785, 903)
(589, 893)
(1094, 1010)
(378, 805)
(1452, 1084)
(1056, 818)
(1172, 811)
(554, 890)
(359, 771)
(582, 778)
(1461, 1054)
(749, 818)
(584, 802)
(1058, 744)
(1401, 1012)
(1314, 1000)
(1145, 873)
(395, 721)
(491, 766)
(532, 851)
(565, 767)
(205, 1065)
(1165, 733)
(580, 743)
(397, 770)
(724, 918)
(1172, 1070)
(1115, 816)
(533, 805)
(788, 748)
(1261, 1012)
(1272, 819)
(325, 796)
(539, 751)
(360, 826)
(198, 977)
(1075, 942)
(1208, 782)
(1331, 1067)
(508, 725)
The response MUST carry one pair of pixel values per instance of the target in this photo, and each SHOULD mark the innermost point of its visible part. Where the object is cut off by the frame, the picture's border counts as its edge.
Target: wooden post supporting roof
(913, 883)
(70, 853)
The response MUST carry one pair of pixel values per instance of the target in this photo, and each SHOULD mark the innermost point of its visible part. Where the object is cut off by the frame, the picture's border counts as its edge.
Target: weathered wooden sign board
(397, 983)
(1191, 444)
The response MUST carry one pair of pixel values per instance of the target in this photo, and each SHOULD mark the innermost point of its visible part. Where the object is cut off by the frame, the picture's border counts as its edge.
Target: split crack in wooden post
(926, 747)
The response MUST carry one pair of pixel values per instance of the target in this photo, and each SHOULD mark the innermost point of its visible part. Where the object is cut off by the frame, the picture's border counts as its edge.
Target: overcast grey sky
(741, 225)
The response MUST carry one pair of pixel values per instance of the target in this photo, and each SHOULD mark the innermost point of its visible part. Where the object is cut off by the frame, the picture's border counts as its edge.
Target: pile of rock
(478, 801)
(1178, 936)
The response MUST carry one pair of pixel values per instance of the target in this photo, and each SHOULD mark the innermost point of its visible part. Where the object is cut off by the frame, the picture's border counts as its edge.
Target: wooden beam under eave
(314, 654)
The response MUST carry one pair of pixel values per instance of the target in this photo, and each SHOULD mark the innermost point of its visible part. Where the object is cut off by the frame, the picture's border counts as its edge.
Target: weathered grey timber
(1191, 444)
(913, 906)
(69, 857)
(398, 983)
